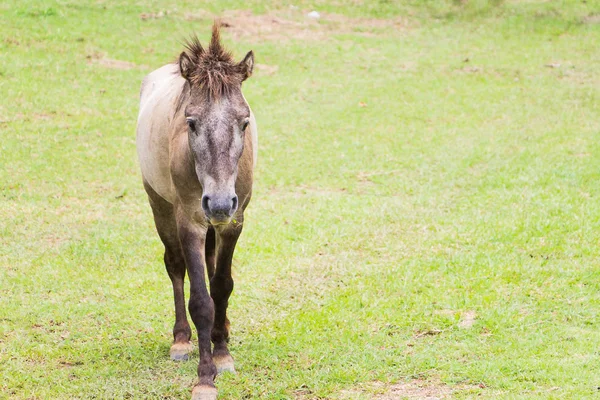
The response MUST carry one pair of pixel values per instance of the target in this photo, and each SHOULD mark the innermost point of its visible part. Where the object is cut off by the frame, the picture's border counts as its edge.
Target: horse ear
(246, 65)
(185, 65)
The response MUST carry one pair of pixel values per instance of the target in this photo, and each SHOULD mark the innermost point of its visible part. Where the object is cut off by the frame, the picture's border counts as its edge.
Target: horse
(197, 145)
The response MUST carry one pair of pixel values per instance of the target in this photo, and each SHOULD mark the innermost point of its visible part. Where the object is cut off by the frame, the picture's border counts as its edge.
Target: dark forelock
(213, 69)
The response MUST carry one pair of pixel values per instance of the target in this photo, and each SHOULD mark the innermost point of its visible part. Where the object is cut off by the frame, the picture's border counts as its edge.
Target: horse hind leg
(166, 227)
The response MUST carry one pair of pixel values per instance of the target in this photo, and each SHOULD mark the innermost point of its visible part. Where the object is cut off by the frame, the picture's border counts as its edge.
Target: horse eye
(191, 123)
(245, 123)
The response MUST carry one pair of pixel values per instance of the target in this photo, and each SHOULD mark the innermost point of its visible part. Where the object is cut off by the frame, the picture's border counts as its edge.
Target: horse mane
(213, 69)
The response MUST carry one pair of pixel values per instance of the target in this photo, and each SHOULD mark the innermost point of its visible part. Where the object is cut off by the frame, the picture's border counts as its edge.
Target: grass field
(426, 216)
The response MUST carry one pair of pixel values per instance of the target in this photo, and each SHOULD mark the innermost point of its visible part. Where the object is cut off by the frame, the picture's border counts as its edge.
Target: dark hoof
(181, 351)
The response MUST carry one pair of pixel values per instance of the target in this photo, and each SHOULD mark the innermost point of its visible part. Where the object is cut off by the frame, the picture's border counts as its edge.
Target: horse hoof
(204, 393)
(181, 351)
(224, 364)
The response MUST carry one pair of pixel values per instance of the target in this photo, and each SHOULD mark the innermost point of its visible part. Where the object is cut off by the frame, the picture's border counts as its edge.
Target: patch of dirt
(11, 41)
(295, 24)
(199, 15)
(303, 393)
(116, 64)
(470, 70)
(553, 65)
(302, 191)
(415, 389)
(70, 364)
(246, 25)
(366, 24)
(428, 332)
(99, 59)
(155, 15)
(592, 19)
(467, 319)
(265, 69)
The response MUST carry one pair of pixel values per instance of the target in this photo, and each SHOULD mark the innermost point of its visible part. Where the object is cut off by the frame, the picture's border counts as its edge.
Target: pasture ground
(426, 211)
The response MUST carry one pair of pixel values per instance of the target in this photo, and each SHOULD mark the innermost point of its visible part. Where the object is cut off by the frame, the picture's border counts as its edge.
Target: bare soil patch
(265, 69)
(414, 389)
(295, 24)
(115, 64)
(100, 59)
(592, 19)
(467, 319)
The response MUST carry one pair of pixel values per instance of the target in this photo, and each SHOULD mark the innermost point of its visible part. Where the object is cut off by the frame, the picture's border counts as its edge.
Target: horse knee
(221, 287)
(202, 310)
(174, 264)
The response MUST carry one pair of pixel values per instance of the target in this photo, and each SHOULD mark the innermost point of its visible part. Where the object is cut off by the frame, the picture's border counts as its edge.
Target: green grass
(468, 183)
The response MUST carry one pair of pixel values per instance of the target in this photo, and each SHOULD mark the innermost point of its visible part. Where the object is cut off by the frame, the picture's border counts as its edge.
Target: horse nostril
(234, 202)
(205, 203)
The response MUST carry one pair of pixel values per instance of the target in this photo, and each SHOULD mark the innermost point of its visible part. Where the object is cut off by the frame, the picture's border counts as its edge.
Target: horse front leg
(166, 226)
(221, 286)
(192, 237)
(181, 347)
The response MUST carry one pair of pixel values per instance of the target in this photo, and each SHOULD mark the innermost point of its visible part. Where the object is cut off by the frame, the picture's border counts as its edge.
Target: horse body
(197, 147)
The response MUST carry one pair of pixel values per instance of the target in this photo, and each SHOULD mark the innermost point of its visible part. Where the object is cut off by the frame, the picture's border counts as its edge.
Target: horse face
(217, 117)
(216, 133)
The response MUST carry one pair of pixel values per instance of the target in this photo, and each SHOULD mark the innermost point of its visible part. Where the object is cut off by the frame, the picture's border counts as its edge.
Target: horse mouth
(219, 221)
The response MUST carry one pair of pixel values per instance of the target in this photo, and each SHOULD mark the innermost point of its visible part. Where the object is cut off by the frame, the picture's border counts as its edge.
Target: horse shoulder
(159, 93)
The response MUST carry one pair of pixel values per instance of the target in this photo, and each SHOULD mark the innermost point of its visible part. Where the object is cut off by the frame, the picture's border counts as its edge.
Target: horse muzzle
(219, 209)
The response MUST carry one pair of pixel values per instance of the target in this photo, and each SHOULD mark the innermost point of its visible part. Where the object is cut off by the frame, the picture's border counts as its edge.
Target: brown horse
(197, 143)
